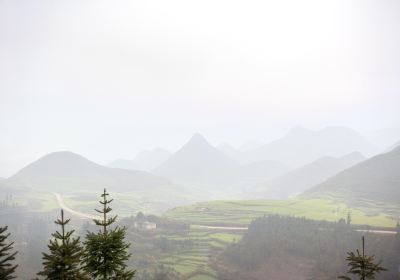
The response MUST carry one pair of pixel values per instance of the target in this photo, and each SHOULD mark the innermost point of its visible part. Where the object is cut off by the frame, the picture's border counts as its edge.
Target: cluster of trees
(160, 272)
(275, 246)
(103, 254)
(272, 244)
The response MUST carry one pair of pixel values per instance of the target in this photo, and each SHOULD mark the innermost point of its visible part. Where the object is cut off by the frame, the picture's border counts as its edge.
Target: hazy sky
(107, 79)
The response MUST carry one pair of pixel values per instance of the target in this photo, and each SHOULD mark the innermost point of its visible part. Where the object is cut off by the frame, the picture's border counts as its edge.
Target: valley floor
(216, 224)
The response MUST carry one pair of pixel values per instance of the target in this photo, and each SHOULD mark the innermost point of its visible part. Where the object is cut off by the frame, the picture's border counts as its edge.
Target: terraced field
(191, 261)
(193, 264)
(240, 213)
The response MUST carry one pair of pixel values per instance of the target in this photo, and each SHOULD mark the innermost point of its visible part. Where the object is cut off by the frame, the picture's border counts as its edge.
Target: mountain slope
(124, 164)
(145, 160)
(262, 170)
(200, 163)
(394, 146)
(301, 146)
(229, 151)
(69, 171)
(376, 179)
(309, 175)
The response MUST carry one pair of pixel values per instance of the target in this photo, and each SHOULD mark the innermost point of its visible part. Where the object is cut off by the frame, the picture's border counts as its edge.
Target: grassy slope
(240, 213)
(193, 264)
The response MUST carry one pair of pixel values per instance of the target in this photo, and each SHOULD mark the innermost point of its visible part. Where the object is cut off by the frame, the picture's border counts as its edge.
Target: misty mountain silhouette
(229, 150)
(301, 146)
(198, 162)
(70, 171)
(256, 172)
(394, 146)
(146, 160)
(124, 164)
(375, 179)
(300, 179)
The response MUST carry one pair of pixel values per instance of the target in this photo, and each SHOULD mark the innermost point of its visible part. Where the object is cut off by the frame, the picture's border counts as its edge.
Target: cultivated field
(240, 213)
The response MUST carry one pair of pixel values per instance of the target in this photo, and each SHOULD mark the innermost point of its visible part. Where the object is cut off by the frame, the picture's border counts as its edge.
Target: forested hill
(288, 248)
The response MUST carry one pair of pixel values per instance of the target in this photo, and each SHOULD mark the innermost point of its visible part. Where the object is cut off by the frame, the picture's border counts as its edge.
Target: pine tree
(63, 261)
(7, 269)
(106, 251)
(362, 266)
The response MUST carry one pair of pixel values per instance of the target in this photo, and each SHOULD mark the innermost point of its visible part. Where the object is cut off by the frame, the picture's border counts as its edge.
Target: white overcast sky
(107, 79)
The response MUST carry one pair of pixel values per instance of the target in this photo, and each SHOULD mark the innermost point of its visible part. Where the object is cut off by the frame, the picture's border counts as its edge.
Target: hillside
(300, 179)
(124, 164)
(301, 146)
(257, 172)
(200, 163)
(295, 248)
(239, 213)
(376, 179)
(229, 150)
(146, 160)
(72, 172)
(394, 146)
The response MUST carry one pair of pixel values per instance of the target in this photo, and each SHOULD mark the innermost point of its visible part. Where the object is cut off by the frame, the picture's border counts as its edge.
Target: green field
(242, 212)
(193, 264)
(126, 204)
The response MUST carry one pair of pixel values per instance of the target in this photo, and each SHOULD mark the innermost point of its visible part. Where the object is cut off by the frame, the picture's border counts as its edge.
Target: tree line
(281, 247)
(270, 240)
(102, 255)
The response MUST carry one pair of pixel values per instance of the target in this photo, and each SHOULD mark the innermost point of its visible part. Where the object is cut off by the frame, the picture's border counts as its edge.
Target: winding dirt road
(60, 202)
(91, 217)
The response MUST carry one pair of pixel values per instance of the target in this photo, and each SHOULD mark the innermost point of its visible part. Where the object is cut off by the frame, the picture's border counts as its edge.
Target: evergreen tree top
(362, 265)
(106, 252)
(63, 262)
(106, 221)
(7, 269)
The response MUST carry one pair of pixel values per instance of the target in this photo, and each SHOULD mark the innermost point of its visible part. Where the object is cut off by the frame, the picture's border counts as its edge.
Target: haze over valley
(209, 140)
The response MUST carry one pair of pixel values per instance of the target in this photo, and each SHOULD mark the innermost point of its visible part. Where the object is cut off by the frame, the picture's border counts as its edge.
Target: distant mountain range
(301, 146)
(199, 166)
(376, 179)
(146, 160)
(300, 179)
(71, 172)
(200, 163)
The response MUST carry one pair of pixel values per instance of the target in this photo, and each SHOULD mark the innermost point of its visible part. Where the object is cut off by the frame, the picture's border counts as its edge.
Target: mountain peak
(198, 139)
(62, 154)
(58, 163)
(198, 162)
(68, 171)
